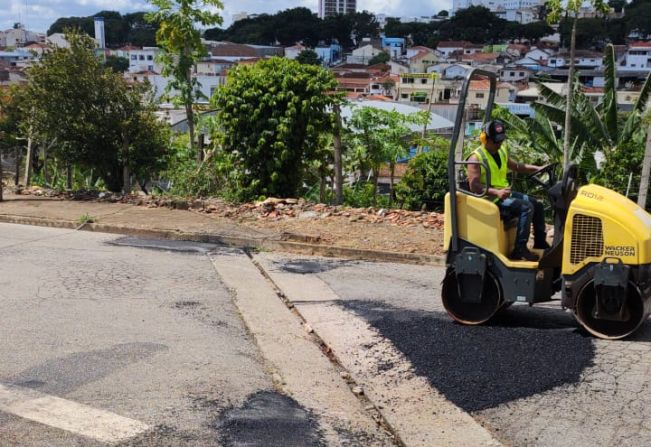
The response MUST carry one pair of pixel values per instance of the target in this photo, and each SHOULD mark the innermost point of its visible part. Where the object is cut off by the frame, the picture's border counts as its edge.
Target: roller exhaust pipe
(611, 317)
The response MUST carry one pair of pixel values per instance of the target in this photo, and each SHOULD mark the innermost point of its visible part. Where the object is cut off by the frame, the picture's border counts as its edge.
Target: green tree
(270, 116)
(443, 13)
(181, 47)
(381, 58)
(117, 64)
(425, 183)
(476, 24)
(308, 57)
(380, 137)
(88, 110)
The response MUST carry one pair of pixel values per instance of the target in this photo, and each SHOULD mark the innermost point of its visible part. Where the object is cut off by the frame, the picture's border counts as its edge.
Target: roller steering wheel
(550, 170)
(569, 186)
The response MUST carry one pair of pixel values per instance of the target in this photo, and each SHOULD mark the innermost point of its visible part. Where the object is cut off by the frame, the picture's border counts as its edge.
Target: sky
(38, 15)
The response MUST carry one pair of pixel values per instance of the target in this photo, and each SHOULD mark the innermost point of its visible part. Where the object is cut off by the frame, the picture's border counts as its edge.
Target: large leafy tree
(270, 115)
(475, 24)
(180, 42)
(89, 111)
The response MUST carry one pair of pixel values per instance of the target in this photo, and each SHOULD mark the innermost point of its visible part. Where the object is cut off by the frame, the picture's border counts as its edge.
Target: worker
(494, 153)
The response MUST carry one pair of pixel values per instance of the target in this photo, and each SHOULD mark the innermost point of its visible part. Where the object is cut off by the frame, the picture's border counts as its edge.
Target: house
(140, 59)
(293, 51)
(476, 59)
(16, 57)
(535, 59)
(397, 67)
(422, 60)
(582, 59)
(446, 48)
(36, 48)
(58, 40)
(364, 54)
(207, 83)
(395, 46)
(479, 90)
(449, 71)
(19, 36)
(515, 74)
(329, 54)
(3, 39)
(636, 58)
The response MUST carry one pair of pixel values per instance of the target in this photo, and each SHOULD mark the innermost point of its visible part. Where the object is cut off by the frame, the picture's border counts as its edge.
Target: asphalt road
(531, 376)
(108, 344)
(119, 341)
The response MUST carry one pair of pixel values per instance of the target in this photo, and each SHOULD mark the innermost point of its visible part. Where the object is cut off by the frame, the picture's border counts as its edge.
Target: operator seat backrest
(480, 223)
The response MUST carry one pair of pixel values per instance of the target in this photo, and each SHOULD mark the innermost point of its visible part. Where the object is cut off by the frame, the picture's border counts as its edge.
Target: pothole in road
(523, 352)
(308, 266)
(269, 419)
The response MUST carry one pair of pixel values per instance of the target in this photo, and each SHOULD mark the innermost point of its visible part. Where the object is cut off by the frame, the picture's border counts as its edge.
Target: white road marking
(68, 415)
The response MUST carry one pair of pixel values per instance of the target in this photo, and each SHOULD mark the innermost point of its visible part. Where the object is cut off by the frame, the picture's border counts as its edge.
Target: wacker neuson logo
(620, 250)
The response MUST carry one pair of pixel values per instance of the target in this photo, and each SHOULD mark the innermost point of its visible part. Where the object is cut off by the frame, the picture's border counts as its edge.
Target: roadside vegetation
(277, 128)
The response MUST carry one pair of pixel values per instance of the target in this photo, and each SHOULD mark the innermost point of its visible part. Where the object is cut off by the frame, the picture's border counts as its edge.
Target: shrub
(425, 183)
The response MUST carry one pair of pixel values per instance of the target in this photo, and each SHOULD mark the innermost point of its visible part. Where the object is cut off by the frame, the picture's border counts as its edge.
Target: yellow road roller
(600, 257)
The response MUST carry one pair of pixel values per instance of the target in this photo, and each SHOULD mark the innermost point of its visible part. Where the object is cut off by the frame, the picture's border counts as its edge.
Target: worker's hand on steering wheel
(503, 194)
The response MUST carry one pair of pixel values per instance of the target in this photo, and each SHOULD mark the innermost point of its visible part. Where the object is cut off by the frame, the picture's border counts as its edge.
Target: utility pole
(567, 128)
(646, 169)
(429, 110)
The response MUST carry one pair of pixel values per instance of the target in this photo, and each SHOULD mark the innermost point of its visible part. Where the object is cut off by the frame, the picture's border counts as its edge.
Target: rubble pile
(271, 209)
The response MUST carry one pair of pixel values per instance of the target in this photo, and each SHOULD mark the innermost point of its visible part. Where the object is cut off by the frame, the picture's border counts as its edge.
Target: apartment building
(329, 8)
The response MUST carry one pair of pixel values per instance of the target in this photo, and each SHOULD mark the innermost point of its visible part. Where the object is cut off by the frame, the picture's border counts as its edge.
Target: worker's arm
(522, 168)
(474, 181)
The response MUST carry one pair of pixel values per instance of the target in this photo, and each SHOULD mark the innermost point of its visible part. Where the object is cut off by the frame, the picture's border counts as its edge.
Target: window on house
(512, 73)
(141, 57)
(522, 73)
(150, 67)
(407, 80)
(479, 95)
(150, 57)
(423, 81)
(404, 96)
(134, 57)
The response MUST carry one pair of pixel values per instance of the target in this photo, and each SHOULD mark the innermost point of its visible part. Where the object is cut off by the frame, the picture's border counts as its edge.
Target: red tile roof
(640, 44)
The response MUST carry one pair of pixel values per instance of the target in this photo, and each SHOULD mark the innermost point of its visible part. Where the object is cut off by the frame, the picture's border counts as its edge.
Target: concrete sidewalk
(164, 223)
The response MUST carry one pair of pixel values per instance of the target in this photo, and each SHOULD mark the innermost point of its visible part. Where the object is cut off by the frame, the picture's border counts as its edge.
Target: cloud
(38, 15)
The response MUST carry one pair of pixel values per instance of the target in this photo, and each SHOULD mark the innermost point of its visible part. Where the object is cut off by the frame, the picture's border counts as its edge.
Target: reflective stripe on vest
(498, 174)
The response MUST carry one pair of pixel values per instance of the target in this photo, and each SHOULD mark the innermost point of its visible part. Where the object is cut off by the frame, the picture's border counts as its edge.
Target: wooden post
(28, 161)
(646, 169)
(18, 157)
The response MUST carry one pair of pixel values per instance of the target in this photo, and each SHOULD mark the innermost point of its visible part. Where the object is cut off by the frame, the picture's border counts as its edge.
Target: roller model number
(620, 250)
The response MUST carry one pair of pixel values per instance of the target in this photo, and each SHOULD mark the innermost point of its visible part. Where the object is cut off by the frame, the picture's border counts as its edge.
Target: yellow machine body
(601, 224)
(479, 222)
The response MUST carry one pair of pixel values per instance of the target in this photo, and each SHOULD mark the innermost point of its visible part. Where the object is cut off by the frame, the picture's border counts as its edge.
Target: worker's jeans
(526, 209)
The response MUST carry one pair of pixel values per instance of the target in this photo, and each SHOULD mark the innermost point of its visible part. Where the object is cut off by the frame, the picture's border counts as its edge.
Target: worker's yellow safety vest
(498, 173)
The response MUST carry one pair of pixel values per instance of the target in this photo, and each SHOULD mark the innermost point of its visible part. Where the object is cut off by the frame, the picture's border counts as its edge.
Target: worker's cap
(496, 131)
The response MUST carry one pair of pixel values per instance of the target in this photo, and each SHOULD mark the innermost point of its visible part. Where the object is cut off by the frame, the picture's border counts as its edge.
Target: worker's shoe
(542, 245)
(523, 254)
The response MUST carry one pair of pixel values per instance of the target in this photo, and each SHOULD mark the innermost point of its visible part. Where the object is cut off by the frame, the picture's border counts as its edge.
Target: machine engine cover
(470, 268)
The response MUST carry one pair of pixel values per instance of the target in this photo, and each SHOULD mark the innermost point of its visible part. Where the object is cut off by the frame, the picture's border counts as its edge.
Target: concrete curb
(271, 244)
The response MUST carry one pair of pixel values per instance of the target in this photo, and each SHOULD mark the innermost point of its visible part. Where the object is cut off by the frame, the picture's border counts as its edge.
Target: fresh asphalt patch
(309, 266)
(269, 419)
(525, 351)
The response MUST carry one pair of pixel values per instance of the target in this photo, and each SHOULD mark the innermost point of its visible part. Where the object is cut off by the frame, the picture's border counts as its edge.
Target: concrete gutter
(262, 243)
